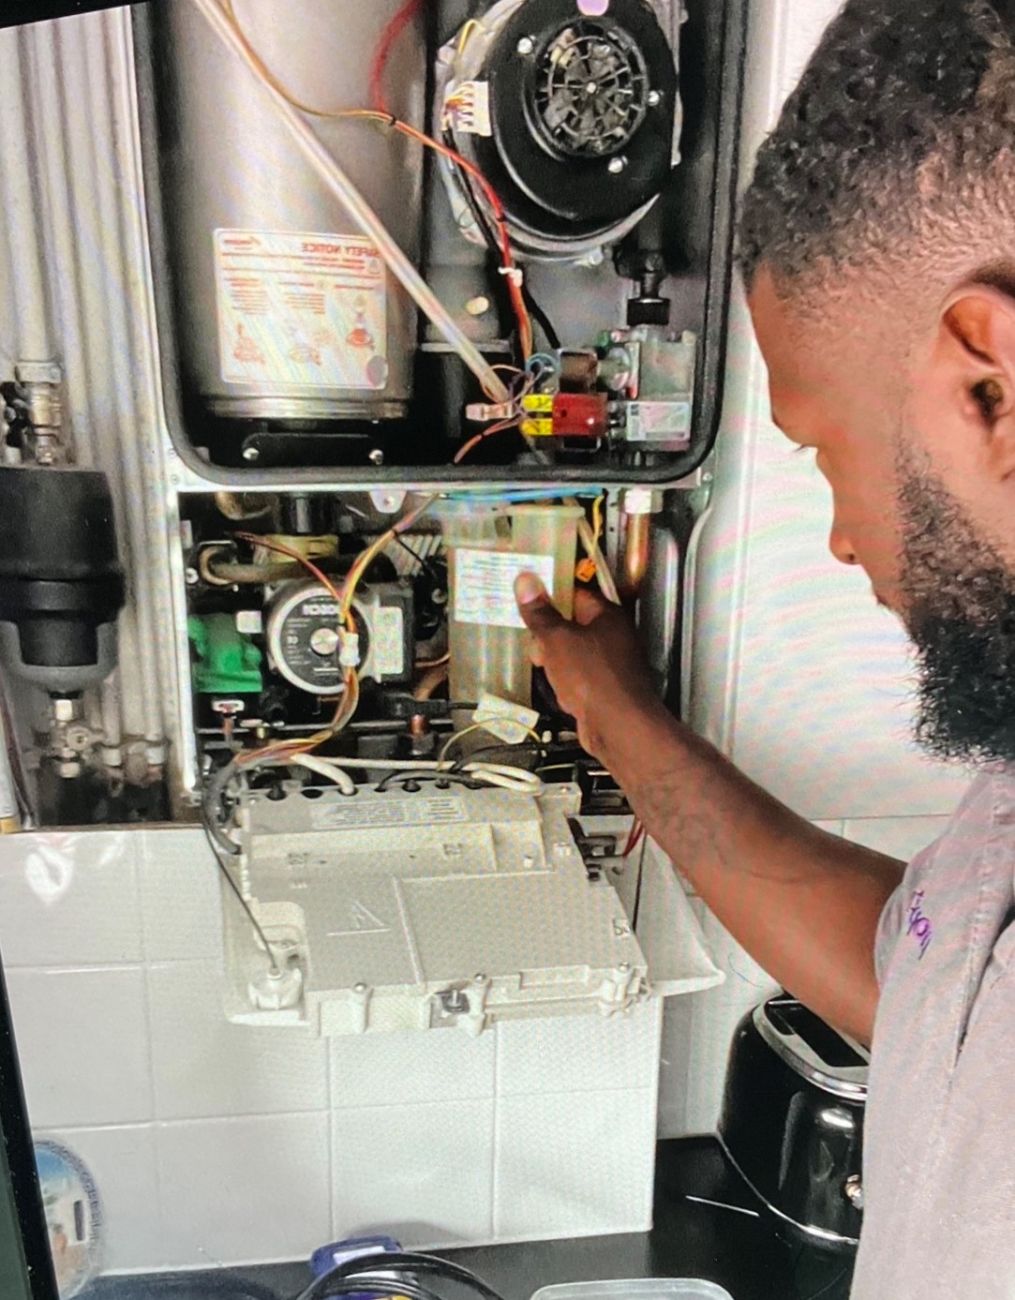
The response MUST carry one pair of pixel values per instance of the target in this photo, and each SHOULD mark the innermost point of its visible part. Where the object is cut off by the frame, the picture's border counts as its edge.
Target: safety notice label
(485, 584)
(301, 310)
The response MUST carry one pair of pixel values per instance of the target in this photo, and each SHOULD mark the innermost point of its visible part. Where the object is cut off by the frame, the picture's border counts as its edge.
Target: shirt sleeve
(890, 925)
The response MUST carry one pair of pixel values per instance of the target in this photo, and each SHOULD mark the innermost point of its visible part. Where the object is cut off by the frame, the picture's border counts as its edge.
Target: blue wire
(535, 494)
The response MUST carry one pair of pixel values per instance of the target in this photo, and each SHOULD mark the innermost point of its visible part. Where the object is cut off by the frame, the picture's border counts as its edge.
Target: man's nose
(841, 547)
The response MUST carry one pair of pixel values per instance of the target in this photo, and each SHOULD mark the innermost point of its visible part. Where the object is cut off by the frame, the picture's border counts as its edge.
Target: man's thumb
(534, 604)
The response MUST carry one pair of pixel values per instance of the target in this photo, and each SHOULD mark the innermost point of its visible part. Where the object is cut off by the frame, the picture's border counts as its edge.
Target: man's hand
(594, 664)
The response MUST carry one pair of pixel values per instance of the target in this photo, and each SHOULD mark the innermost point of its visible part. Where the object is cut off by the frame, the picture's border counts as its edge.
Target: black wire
(424, 561)
(211, 806)
(258, 930)
(504, 749)
(356, 1275)
(540, 317)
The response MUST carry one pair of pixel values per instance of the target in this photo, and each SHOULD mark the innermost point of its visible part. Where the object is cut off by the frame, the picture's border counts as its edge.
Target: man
(878, 250)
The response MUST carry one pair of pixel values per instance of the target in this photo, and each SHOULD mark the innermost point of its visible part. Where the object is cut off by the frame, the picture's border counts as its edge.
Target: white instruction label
(301, 310)
(392, 810)
(485, 585)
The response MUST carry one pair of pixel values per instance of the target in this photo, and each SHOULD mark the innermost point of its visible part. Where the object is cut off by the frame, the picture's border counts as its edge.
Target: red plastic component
(580, 415)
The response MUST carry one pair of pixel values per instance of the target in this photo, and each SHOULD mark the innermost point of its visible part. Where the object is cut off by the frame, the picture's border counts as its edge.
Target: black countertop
(707, 1225)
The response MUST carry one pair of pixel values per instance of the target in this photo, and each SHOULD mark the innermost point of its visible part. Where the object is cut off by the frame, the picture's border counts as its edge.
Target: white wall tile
(82, 1040)
(398, 1069)
(424, 1174)
(69, 899)
(181, 896)
(796, 673)
(204, 1066)
(244, 1191)
(899, 837)
(538, 1181)
(122, 1163)
(578, 1053)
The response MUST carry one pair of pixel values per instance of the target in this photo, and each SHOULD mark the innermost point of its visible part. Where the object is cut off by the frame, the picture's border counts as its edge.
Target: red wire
(385, 45)
(464, 450)
(634, 839)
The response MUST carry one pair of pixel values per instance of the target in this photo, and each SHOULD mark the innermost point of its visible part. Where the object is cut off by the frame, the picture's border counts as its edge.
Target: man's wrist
(633, 735)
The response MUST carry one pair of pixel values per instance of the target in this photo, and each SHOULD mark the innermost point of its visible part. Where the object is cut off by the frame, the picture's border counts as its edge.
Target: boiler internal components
(651, 377)
(305, 646)
(571, 116)
(429, 909)
(284, 311)
(637, 391)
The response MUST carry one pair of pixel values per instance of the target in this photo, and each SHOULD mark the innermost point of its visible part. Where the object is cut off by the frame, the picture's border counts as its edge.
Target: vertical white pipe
(26, 288)
(99, 283)
(61, 239)
(159, 514)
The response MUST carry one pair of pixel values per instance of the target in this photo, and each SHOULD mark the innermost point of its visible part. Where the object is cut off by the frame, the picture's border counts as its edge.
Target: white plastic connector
(642, 501)
(277, 990)
(504, 719)
(483, 411)
(468, 104)
(348, 654)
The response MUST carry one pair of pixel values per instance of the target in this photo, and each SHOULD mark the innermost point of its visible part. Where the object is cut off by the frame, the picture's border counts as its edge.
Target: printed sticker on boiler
(485, 585)
(299, 310)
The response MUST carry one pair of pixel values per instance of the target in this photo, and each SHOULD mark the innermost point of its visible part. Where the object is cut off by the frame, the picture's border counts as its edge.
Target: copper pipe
(429, 682)
(637, 547)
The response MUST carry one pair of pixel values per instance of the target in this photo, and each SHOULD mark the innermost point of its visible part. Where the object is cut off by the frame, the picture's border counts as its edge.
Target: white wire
(516, 779)
(359, 210)
(323, 768)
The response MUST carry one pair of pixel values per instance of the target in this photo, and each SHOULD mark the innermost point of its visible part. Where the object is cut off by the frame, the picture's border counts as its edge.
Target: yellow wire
(472, 25)
(483, 726)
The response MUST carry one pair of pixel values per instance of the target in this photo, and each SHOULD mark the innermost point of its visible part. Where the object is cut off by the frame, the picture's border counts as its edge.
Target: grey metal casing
(228, 164)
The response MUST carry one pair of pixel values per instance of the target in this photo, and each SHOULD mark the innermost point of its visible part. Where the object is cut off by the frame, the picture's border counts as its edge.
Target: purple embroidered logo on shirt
(920, 926)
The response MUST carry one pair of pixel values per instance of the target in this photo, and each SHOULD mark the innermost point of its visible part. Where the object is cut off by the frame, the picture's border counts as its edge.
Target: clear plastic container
(487, 548)
(644, 1288)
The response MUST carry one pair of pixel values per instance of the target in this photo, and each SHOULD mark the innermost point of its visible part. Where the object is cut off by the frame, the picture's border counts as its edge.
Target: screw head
(525, 45)
(192, 577)
(616, 165)
(376, 457)
(653, 99)
(251, 454)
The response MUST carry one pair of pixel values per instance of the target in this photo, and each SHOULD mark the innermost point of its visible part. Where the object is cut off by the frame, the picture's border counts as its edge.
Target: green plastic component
(228, 663)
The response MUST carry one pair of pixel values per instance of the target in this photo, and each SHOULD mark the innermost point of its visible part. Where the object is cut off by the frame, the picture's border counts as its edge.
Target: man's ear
(975, 354)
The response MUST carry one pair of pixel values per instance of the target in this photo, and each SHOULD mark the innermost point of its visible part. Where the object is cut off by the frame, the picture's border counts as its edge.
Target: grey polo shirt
(939, 1155)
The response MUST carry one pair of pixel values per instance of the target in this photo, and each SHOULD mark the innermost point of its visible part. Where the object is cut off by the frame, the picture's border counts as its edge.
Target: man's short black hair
(901, 133)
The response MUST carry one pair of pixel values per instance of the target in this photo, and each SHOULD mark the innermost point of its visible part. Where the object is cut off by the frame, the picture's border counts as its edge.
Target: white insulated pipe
(29, 326)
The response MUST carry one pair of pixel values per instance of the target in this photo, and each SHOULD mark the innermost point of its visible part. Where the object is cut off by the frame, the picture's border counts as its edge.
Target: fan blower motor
(572, 117)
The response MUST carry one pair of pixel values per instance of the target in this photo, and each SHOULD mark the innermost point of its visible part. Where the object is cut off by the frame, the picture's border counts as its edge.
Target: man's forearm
(805, 904)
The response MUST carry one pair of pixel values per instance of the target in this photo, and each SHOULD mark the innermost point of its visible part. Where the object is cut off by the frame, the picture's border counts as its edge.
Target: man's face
(918, 503)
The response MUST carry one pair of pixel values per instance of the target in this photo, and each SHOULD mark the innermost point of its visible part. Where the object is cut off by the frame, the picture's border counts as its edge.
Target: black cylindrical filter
(61, 584)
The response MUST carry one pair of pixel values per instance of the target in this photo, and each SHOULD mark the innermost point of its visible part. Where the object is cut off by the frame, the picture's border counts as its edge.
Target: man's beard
(959, 606)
